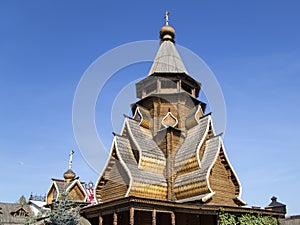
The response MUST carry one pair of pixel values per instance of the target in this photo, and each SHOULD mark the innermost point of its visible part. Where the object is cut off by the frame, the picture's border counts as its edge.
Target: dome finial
(69, 174)
(167, 32)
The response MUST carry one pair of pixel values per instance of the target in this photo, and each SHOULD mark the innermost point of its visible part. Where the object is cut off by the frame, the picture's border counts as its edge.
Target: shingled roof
(147, 171)
(14, 213)
(167, 60)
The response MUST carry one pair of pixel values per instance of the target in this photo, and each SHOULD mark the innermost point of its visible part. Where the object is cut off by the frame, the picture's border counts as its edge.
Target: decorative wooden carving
(169, 120)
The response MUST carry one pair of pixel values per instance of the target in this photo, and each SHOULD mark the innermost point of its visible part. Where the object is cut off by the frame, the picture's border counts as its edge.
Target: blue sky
(251, 46)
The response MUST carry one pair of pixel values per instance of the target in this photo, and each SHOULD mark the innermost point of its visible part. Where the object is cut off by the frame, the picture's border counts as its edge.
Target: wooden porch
(140, 211)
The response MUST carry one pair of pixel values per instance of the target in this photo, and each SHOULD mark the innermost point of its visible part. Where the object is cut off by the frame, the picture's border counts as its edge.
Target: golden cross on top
(167, 17)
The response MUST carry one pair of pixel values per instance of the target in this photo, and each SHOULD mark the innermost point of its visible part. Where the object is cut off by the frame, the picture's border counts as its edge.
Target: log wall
(76, 193)
(221, 182)
(117, 184)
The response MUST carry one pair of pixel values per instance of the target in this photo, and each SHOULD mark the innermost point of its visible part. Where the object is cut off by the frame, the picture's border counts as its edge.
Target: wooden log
(100, 220)
(172, 218)
(154, 217)
(115, 222)
(131, 219)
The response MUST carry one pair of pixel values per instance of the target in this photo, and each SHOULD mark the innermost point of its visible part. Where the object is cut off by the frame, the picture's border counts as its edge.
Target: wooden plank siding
(116, 184)
(221, 182)
(76, 193)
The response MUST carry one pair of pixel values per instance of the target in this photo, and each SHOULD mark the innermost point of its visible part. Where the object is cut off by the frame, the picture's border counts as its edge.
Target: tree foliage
(22, 200)
(63, 212)
(40, 216)
(227, 219)
(246, 219)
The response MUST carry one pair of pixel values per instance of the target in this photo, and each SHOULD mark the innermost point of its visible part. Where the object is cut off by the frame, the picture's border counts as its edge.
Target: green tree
(22, 200)
(63, 212)
(249, 219)
(227, 219)
(246, 219)
(42, 215)
(30, 220)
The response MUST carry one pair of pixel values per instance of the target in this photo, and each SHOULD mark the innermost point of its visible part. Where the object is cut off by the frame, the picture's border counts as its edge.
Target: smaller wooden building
(77, 192)
(292, 220)
(70, 184)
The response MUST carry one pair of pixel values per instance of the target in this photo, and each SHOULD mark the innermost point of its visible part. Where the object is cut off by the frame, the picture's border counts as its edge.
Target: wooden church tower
(71, 184)
(167, 166)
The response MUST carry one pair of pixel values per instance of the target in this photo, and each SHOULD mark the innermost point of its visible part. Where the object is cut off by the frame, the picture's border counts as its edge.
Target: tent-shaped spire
(167, 59)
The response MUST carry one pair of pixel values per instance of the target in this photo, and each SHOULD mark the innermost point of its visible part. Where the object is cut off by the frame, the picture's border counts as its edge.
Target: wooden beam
(115, 222)
(154, 217)
(172, 218)
(131, 219)
(100, 220)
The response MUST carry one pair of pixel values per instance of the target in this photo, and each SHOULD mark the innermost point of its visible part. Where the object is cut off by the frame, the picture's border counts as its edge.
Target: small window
(151, 88)
(19, 213)
(168, 84)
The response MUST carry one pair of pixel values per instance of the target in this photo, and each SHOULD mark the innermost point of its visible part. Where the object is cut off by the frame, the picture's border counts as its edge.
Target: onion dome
(167, 33)
(69, 175)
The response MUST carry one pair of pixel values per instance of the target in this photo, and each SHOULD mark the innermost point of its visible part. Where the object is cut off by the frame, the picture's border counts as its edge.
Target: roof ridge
(208, 114)
(115, 134)
(129, 117)
(215, 136)
(56, 179)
